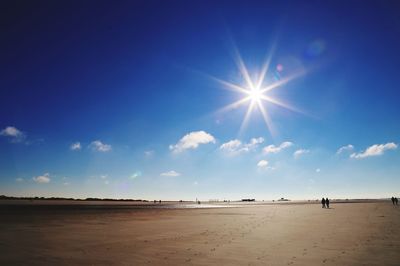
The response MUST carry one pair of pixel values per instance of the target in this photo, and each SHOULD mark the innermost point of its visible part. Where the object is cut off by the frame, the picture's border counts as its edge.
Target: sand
(279, 234)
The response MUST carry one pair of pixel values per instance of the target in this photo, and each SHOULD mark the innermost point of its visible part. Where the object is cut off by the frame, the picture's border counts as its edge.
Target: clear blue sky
(107, 99)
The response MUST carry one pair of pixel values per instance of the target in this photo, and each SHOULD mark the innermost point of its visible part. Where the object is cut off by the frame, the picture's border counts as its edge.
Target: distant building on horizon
(283, 199)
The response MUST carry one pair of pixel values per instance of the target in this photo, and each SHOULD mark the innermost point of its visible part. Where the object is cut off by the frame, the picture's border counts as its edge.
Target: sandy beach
(277, 234)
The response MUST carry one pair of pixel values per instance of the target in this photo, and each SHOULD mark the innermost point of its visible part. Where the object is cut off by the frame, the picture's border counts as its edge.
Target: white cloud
(231, 146)
(235, 146)
(13, 133)
(103, 176)
(300, 152)
(75, 146)
(191, 141)
(148, 153)
(19, 180)
(254, 142)
(66, 184)
(97, 145)
(170, 173)
(262, 163)
(10, 132)
(317, 170)
(345, 148)
(136, 175)
(276, 149)
(374, 150)
(42, 179)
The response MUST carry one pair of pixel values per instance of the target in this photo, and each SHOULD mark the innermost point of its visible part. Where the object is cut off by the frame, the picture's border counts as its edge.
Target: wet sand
(277, 234)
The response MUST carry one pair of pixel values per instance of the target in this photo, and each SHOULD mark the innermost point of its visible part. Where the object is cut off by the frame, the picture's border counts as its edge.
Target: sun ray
(246, 117)
(233, 105)
(265, 67)
(226, 84)
(281, 104)
(282, 81)
(267, 119)
(242, 68)
(230, 85)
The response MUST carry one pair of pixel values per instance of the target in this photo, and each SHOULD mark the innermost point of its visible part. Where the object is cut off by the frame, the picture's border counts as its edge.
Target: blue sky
(122, 100)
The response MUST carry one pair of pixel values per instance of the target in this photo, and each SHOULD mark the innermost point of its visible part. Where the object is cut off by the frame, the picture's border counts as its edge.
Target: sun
(256, 92)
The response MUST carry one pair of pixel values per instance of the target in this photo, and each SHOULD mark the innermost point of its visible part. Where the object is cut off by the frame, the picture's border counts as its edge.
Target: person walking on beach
(323, 202)
(327, 203)
(396, 200)
(393, 200)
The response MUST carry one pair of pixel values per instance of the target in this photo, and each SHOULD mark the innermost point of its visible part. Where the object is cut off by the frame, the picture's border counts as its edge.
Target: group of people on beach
(395, 201)
(325, 203)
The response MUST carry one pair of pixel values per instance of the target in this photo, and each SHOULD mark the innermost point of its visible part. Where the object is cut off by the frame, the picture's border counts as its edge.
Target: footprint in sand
(304, 252)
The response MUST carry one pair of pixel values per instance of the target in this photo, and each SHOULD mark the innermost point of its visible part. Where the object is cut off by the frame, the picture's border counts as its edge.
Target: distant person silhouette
(393, 200)
(323, 202)
(327, 203)
(396, 200)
